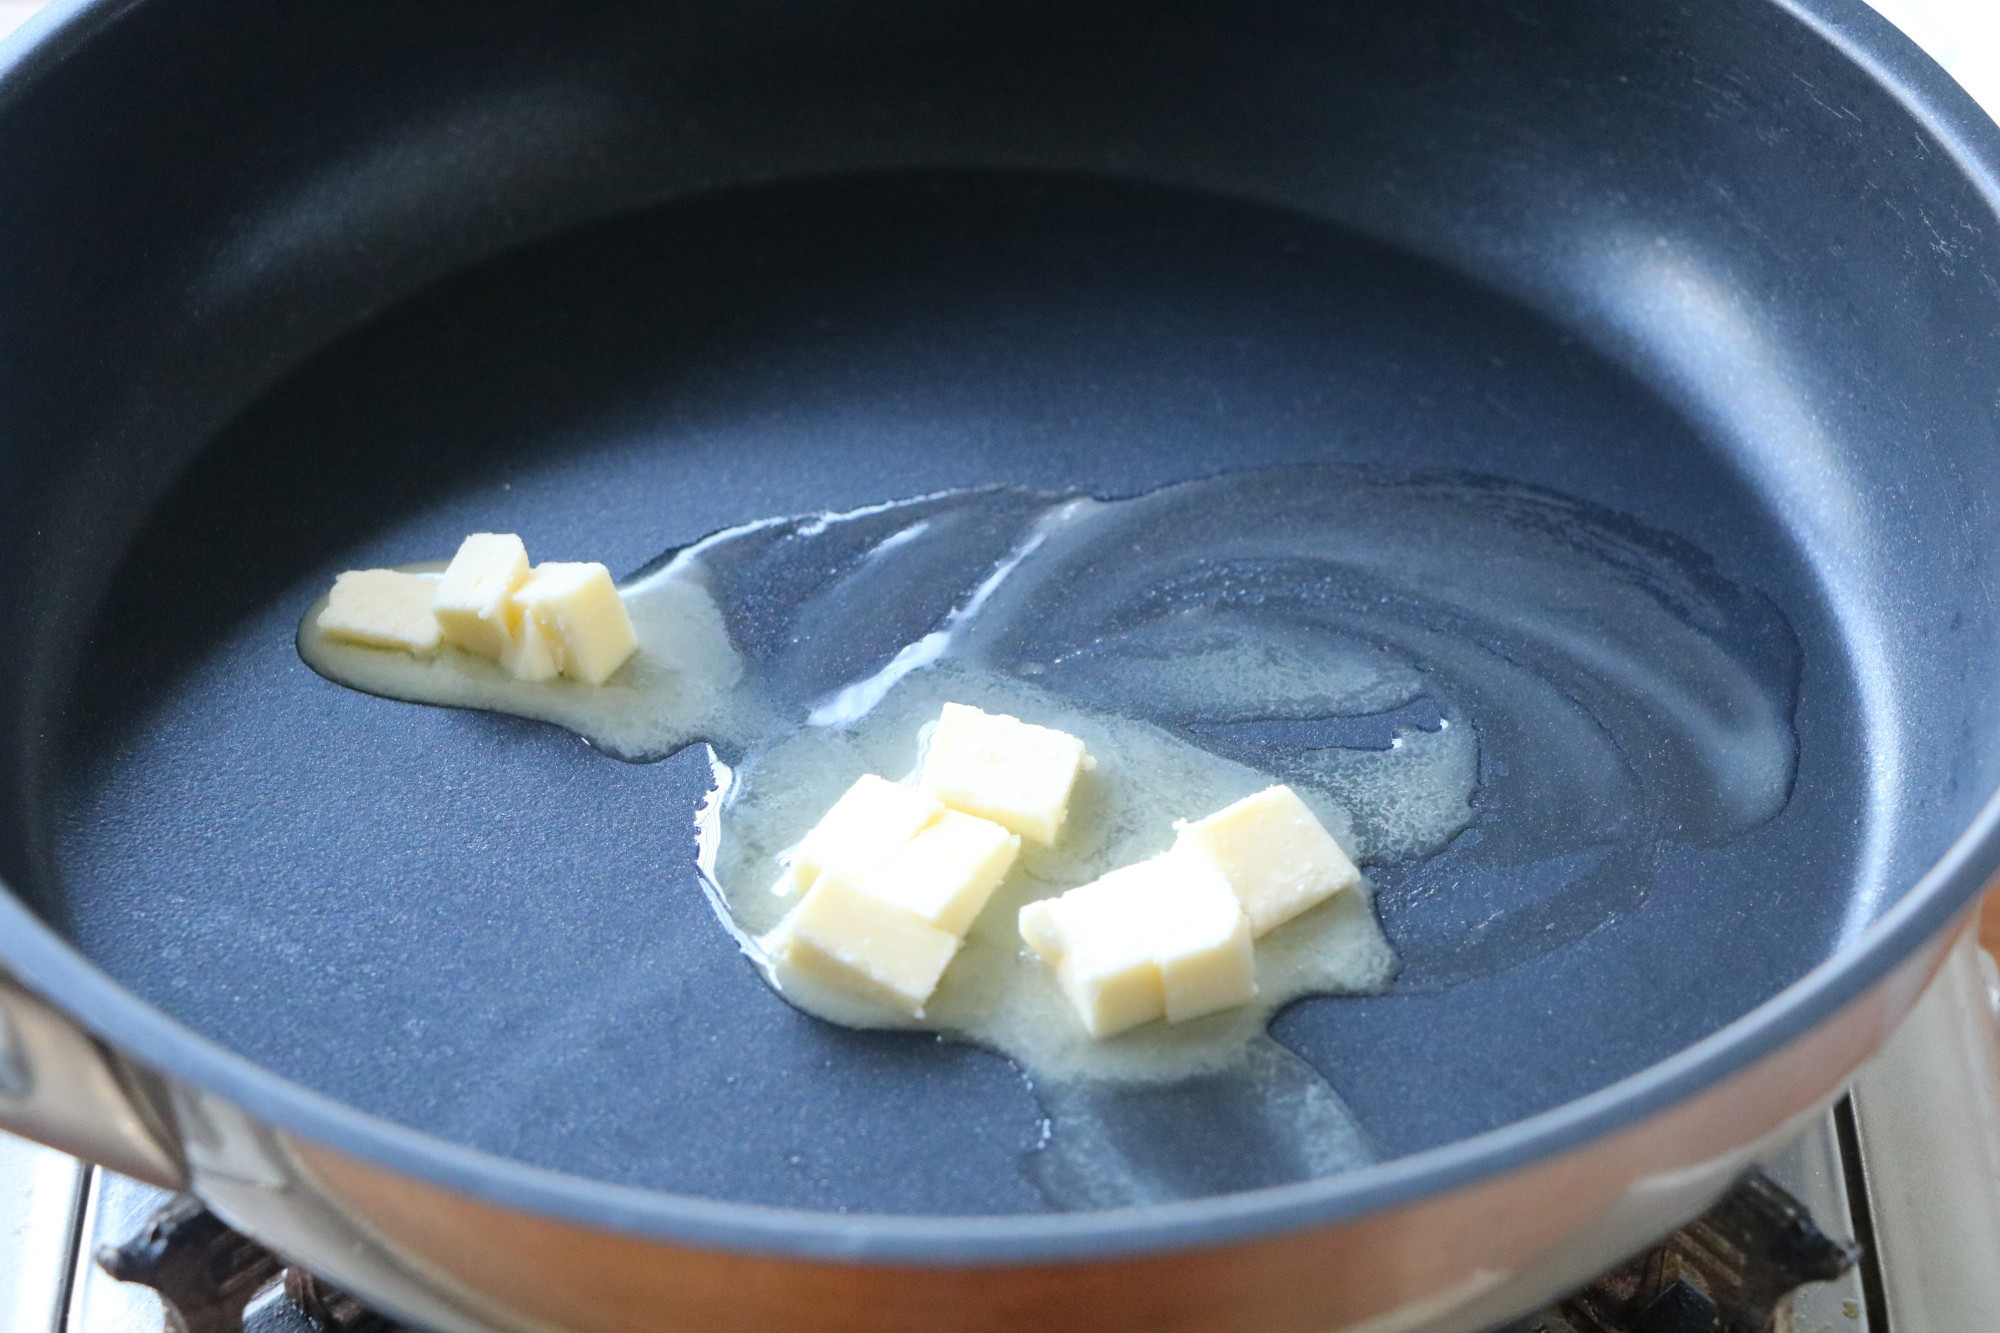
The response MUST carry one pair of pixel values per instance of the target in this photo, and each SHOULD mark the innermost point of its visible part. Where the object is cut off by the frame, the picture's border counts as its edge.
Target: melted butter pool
(995, 993)
(1393, 647)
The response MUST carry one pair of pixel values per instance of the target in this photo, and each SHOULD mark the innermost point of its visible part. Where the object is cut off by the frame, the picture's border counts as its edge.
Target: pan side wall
(1464, 1259)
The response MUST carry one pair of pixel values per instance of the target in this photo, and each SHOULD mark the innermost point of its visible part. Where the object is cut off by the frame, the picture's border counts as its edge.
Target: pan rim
(51, 966)
(47, 963)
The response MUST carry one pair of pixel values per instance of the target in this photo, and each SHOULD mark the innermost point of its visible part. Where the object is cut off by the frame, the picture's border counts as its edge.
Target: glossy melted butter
(1371, 641)
(996, 993)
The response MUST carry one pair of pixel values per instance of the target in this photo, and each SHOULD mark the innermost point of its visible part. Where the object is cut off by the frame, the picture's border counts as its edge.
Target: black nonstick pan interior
(481, 927)
(478, 927)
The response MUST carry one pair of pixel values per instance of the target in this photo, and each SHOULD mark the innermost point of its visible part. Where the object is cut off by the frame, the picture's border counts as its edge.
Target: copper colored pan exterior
(1454, 1263)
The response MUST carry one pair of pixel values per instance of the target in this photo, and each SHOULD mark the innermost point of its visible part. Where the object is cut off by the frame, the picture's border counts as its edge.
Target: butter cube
(1105, 967)
(869, 823)
(1000, 768)
(1164, 938)
(578, 610)
(474, 600)
(1276, 855)
(846, 937)
(382, 608)
(947, 872)
(1206, 962)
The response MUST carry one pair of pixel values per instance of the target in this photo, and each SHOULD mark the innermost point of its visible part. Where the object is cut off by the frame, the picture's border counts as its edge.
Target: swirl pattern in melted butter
(1433, 662)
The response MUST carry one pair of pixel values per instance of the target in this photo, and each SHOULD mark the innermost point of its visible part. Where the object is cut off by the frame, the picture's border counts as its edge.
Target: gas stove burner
(212, 1279)
(1731, 1270)
(205, 1272)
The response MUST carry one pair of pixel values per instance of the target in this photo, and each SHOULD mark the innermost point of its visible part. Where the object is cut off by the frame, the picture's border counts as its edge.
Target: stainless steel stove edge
(1927, 1116)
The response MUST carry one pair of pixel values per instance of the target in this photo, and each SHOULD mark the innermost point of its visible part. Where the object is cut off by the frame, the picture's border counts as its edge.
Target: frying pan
(430, 999)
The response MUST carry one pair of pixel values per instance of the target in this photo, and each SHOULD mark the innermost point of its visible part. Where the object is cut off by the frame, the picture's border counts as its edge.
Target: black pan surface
(479, 927)
(1597, 278)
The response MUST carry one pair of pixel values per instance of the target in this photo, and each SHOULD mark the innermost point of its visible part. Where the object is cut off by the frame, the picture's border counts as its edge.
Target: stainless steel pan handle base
(58, 1086)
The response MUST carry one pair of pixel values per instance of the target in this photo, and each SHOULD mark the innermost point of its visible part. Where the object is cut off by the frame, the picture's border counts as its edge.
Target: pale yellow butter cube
(1206, 958)
(1000, 768)
(382, 608)
(1113, 996)
(947, 872)
(1164, 938)
(1106, 968)
(843, 936)
(1277, 856)
(1107, 914)
(578, 609)
(863, 829)
(473, 602)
